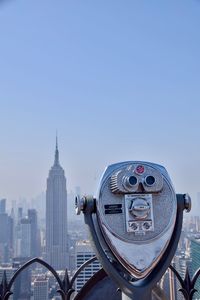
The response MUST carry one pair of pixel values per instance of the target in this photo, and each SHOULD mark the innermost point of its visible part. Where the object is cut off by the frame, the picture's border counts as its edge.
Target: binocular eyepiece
(136, 211)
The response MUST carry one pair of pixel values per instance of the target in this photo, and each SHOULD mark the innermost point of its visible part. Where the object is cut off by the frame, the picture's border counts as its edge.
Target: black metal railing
(188, 283)
(66, 285)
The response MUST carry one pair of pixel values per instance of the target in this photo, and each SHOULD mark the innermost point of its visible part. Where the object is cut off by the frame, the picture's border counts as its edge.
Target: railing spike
(187, 285)
(66, 281)
(4, 288)
(187, 280)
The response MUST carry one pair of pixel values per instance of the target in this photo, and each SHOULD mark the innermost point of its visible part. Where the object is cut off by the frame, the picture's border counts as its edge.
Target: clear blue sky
(119, 80)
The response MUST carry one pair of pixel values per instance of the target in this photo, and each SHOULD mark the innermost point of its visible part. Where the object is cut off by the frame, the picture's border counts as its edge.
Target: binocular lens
(150, 180)
(132, 180)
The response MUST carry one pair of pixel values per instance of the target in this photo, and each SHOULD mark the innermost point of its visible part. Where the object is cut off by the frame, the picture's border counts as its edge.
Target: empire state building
(56, 216)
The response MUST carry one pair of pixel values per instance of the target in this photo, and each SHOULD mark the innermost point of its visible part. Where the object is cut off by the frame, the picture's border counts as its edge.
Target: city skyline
(119, 82)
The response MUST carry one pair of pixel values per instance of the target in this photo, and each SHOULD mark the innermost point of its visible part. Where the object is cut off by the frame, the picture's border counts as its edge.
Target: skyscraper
(32, 216)
(40, 289)
(56, 216)
(25, 250)
(6, 233)
(84, 252)
(2, 206)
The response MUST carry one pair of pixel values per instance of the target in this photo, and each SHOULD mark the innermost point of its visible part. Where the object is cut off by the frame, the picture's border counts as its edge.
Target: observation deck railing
(66, 285)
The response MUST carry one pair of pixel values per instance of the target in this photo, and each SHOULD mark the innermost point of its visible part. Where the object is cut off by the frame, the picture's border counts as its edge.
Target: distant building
(6, 234)
(40, 289)
(56, 216)
(20, 214)
(25, 238)
(2, 206)
(35, 247)
(27, 243)
(77, 191)
(84, 252)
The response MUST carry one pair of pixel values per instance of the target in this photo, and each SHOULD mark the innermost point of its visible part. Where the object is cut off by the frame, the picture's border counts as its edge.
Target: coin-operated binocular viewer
(135, 223)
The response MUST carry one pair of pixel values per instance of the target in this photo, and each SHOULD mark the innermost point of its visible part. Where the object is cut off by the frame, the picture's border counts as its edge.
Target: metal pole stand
(124, 297)
(132, 289)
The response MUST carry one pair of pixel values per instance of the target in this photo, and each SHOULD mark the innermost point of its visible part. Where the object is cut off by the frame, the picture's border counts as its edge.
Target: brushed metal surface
(137, 250)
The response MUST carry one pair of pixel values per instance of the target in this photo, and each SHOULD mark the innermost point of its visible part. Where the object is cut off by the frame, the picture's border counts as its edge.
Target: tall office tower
(6, 236)
(40, 289)
(56, 216)
(10, 233)
(2, 206)
(20, 213)
(84, 252)
(25, 249)
(3, 231)
(32, 216)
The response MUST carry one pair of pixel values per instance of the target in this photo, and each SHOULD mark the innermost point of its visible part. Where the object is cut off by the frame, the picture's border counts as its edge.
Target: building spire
(56, 161)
